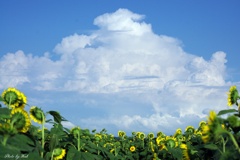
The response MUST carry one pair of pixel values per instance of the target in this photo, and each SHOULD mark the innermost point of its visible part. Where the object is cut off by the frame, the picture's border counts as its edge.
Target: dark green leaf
(54, 142)
(22, 142)
(211, 146)
(227, 111)
(176, 152)
(57, 117)
(5, 113)
(8, 152)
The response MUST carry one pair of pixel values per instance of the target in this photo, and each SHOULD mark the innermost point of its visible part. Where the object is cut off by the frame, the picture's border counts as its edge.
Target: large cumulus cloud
(124, 58)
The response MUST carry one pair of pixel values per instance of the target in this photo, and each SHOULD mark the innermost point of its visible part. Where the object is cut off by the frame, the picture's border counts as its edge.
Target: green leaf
(54, 142)
(176, 152)
(226, 111)
(1, 99)
(22, 142)
(8, 152)
(5, 113)
(211, 146)
(57, 117)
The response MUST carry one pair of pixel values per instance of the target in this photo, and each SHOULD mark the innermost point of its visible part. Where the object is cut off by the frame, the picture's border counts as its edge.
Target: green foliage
(218, 138)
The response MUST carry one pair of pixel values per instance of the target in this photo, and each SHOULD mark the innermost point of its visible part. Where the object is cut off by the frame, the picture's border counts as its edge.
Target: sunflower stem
(5, 138)
(78, 141)
(52, 155)
(9, 103)
(43, 139)
(224, 143)
(234, 141)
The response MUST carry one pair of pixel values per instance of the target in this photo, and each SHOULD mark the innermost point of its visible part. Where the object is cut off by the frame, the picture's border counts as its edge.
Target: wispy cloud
(124, 60)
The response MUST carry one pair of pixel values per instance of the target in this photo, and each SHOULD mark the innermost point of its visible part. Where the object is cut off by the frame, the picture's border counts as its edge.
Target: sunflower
(206, 135)
(141, 135)
(75, 131)
(171, 142)
(184, 151)
(178, 132)
(22, 101)
(58, 153)
(121, 134)
(37, 115)
(232, 95)
(202, 123)
(150, 135)
(160, 134)
(190, 129)
(14, 98)
(160, 140)
(212, 117)
(20, 120)
(132, 148)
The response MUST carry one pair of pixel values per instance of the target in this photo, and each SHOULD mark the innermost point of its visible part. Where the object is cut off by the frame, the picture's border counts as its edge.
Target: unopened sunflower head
(233, 95)
(14, 98)
(59, 153)
(20, 120)
(76, 132)
(37, 115)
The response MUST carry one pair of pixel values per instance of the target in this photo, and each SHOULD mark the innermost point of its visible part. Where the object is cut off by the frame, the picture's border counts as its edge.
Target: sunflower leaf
(1, 99)
(211, 146)
(4, 113)
(227, 111)
(56, 116)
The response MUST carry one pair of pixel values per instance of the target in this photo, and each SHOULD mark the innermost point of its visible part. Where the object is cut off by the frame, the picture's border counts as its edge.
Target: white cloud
(126, 59)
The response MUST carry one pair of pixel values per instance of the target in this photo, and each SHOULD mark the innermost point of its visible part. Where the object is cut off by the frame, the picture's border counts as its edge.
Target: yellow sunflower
(206, 135)
(59, 153)
(22, 101)
(202, 123)
(20, 120)
(150, 135)
(190, 129)
(171, 142)
(232, 95)
(185, 151)
(14, 98)
(212, 117)
(141, 135)
(178, 132)
(121, 134)
(132, 148)
(37, 115)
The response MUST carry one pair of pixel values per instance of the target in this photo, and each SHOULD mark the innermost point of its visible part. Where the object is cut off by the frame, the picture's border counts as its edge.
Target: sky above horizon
(154, 66)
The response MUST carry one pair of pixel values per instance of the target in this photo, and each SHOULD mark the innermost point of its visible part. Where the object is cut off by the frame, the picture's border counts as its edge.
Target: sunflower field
(216, 138)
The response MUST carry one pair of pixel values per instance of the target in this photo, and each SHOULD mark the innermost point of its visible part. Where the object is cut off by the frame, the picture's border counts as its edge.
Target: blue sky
(122, 65)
